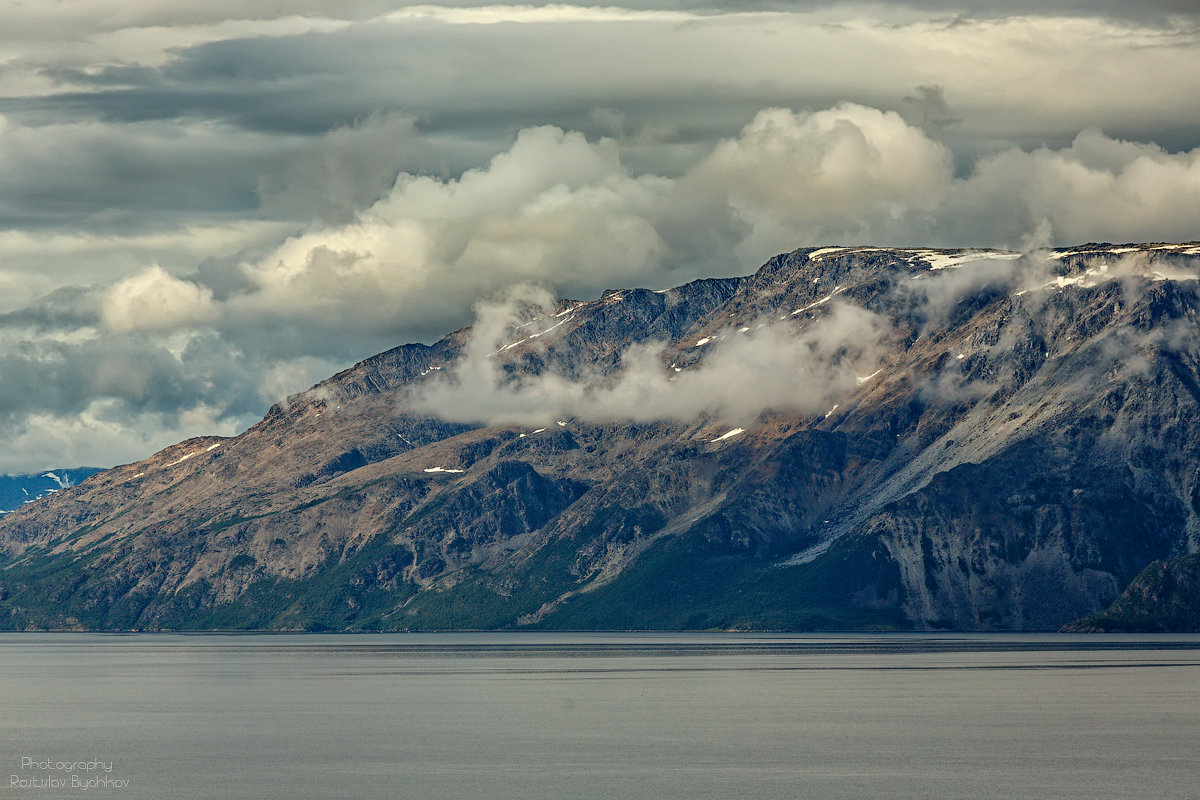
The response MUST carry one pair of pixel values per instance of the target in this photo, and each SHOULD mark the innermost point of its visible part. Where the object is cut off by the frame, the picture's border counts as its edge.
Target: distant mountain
(852, 437)
(17, 490)
(1163, 598)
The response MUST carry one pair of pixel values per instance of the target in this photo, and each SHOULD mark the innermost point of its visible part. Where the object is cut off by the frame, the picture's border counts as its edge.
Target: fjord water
(600, 716)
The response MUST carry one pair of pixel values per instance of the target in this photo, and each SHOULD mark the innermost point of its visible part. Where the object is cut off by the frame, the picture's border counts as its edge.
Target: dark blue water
(599, 716)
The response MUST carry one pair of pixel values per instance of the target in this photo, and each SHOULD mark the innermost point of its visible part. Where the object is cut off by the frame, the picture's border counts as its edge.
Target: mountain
(851, 437)
(17, 490)
(1164, 597)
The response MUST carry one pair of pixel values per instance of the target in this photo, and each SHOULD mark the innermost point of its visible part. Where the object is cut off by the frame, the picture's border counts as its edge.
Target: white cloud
(554, 207)
(774, 366)
(822, 166)
(839, 175)
(155, 300)
(1098, 189)
(287, 377)
(557, 209)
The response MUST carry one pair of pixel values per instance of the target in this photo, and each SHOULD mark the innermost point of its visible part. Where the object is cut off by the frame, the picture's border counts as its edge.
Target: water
(601, 716)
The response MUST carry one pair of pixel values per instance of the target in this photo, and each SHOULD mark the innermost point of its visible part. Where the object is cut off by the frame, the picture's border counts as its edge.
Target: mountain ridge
(985, 440)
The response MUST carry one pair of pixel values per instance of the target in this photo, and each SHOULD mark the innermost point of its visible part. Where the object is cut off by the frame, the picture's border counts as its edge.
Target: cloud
(927, 108)
(554, 207)
(566, 211)
(824, 165)
(437, 65)
(773, 366)
(95, 397)
(561, 210)
(332, 177)
(145, 373)
(101, 180)
(838, 175)
(245, 113)
(41, 263)
(1098, 189)
(155, 300)
(95, 176)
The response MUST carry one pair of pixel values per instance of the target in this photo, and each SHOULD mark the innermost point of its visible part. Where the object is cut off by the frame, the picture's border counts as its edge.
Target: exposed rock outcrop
(1163, 598)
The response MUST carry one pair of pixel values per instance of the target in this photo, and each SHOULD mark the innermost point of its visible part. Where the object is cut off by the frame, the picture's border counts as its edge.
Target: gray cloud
(332, 177)
(113, 398)
(181, 124)
(156, 176)
(65, 309)
(927, 108)
(139, 373)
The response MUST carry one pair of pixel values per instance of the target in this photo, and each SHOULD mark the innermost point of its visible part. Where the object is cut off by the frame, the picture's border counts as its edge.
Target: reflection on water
(601, 715)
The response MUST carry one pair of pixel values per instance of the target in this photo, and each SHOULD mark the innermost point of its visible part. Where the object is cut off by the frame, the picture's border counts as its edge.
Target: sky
(207, 206)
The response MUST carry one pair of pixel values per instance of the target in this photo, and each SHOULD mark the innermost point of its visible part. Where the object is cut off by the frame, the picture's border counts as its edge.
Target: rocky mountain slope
(1164, 597)
(849, 438)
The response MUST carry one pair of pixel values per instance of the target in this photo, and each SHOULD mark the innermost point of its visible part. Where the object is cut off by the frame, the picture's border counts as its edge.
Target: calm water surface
(599, 716)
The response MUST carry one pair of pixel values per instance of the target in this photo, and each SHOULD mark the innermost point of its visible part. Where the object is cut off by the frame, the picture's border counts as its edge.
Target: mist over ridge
(804, 361)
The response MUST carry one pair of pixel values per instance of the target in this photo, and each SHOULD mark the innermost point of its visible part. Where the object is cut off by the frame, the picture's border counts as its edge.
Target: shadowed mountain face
(849, 438)
(1163, 598)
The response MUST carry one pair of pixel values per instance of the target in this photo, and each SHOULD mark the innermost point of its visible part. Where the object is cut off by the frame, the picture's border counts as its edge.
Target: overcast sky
(207, 205)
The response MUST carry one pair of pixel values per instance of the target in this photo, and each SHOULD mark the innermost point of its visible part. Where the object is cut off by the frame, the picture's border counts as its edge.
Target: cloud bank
(567, 212)
(207, 206)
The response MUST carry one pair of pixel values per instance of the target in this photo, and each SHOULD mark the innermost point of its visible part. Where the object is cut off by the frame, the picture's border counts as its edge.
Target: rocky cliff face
(899, 439)
(1164, 597)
